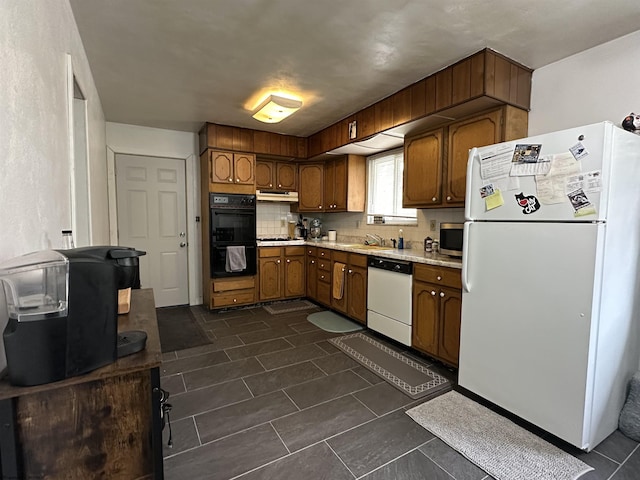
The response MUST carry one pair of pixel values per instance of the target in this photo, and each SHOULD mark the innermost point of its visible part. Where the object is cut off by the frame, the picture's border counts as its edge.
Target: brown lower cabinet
(281, 272)
(353, 301)
(234, 291)
(437, 303)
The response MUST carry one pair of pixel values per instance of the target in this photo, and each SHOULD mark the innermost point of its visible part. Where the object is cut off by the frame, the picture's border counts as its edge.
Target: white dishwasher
(389, 298)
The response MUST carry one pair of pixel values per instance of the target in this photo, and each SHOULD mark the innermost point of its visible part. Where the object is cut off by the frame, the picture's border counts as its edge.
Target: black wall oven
(232, 220)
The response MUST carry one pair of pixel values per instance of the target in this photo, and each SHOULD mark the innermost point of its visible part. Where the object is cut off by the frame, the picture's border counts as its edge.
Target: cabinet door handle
(448, 199)
(288, 261)
(278, 261)
(343, 270)
(321, 277)
(441, 294)
(237, 180)
(350, 271)
(434, 199)
(433, 292)
(279, 185)
(231, 179)
(271, 184)
(312, 262)
(439, 277)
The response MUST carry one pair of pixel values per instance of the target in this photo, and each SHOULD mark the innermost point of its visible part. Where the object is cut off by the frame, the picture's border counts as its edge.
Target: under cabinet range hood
(275, 196)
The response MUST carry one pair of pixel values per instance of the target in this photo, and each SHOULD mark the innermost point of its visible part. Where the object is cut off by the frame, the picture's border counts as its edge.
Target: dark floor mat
(179, 329)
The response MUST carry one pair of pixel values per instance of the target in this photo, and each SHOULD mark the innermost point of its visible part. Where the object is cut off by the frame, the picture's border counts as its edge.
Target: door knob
(183, 244)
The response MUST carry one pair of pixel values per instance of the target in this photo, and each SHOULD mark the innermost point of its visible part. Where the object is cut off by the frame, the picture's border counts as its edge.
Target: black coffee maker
(62, 311)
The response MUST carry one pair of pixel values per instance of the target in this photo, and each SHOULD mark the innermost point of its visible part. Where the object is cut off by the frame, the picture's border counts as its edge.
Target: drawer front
(264, 252)
(338, 256)
(293, 251)
(224, 285)
(357, 260)
(324, 276)
(324, 264)
(228, 299)
(438, 275)
(324, 253)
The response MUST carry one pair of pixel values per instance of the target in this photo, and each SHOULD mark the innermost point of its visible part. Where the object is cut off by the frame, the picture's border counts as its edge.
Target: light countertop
(408, 255)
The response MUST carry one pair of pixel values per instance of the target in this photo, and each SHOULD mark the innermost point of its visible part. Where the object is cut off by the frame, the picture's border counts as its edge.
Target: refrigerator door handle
(467, 203)
(465, 256)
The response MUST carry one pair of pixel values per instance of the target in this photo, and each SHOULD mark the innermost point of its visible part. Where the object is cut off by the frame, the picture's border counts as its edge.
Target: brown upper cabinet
(225, 137)
(272, 175)
(338, 185)
(435, 162)
(229, 172)
(310, 196)
(344, 184)
(474, 84)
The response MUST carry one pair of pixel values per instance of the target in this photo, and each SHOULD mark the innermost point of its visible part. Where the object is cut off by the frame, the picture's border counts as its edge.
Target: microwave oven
(451, 239)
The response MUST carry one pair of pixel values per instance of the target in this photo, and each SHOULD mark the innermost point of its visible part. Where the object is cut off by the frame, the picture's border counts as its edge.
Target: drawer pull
(433, 292)
(441, 294)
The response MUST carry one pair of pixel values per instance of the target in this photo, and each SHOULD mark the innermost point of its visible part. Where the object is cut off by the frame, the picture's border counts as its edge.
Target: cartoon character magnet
(529, 203)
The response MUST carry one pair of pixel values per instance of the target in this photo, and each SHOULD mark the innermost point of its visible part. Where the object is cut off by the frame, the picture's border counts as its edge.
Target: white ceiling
(178, 63)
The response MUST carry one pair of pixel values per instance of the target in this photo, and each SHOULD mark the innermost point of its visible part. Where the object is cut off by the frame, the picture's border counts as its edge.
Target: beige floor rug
(411, 377)
(494, 443)
(286, 307)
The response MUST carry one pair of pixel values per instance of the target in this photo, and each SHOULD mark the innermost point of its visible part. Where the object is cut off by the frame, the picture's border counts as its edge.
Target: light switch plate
(432, 225)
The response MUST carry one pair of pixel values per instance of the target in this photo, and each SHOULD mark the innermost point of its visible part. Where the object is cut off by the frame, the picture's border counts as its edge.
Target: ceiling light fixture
(276, 108)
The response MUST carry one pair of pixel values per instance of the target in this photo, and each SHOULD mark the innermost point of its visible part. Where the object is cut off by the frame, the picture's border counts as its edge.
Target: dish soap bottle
(400, 240)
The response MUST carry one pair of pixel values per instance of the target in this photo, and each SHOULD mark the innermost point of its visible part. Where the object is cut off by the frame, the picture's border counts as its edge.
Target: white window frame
(384, 211)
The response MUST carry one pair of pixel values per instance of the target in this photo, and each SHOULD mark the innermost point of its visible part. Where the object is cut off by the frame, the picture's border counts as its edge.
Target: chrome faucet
(375, 239)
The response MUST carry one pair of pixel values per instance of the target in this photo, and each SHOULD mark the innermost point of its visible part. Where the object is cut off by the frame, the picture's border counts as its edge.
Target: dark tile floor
(271, 398)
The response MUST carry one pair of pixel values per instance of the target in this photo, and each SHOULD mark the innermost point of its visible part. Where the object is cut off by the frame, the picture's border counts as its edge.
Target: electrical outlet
(432, 225)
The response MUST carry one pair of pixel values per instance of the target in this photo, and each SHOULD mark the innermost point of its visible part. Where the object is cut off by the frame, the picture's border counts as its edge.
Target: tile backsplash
(272, 219)
(352, 227)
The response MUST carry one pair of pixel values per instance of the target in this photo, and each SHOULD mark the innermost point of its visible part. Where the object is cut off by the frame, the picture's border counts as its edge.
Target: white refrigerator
(551, 284)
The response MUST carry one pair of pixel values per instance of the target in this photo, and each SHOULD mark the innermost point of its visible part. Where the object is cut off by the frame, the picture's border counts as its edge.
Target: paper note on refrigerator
(495, 161)
(551, 188)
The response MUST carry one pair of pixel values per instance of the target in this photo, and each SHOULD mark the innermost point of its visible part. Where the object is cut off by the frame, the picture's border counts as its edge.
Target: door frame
(155, 142)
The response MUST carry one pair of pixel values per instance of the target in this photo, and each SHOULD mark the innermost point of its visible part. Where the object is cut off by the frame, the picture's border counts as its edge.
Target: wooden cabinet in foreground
(233, 291)
(281, 272)
(437, 303)
(229, 172)
(435, 162)
(279, 176)
(351, 270)
(338, 185)
(311, 178)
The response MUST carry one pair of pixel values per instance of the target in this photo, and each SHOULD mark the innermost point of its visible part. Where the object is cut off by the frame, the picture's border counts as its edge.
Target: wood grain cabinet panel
(277, 176)
(311, 178)
(423, 157)
(437, 311)
(281, 272)
(463, 136)
(230, 172)
(435, 162)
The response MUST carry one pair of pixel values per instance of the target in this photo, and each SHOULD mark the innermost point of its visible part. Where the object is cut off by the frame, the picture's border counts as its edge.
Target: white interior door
(151, 202)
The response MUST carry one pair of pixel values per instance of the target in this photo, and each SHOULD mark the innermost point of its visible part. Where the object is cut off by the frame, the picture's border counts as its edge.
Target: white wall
(155, 142)
(35, 37)
(599, 84)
